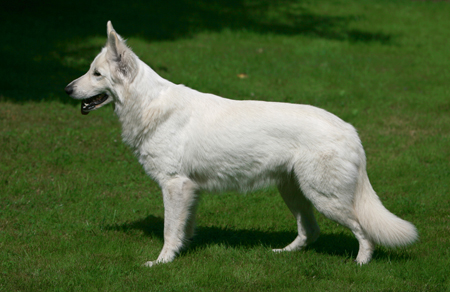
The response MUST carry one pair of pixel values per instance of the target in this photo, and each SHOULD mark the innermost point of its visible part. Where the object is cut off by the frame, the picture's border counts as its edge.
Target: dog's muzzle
(90, 104)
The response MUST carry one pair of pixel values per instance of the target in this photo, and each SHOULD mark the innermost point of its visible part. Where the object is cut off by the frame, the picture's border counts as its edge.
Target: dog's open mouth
(91, 103)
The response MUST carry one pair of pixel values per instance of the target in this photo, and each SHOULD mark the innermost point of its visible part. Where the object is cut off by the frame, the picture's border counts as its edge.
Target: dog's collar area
(91, 103)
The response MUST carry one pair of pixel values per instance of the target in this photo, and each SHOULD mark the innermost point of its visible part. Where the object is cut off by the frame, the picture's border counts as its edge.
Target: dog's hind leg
(331, 189)
(338, 210)
(180, 204)
(302, 209)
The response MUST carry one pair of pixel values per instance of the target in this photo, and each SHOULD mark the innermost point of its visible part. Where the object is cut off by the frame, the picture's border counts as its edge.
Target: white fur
(189, 141)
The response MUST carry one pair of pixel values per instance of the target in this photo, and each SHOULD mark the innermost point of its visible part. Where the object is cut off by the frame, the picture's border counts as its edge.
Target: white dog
(189, 141)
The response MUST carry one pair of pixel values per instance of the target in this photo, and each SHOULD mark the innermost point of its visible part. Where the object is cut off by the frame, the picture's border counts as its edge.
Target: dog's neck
(140, 110)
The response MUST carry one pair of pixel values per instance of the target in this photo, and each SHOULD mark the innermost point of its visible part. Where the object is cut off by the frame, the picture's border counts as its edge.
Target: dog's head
(108, 76)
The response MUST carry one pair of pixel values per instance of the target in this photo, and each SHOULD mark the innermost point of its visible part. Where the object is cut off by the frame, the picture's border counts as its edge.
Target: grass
(78, 213)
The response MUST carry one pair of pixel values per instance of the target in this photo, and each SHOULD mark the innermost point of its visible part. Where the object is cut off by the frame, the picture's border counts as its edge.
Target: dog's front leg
(180, 204)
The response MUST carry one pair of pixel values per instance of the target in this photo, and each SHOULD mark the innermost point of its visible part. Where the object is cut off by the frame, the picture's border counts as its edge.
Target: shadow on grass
(35, 34)
(341, 244)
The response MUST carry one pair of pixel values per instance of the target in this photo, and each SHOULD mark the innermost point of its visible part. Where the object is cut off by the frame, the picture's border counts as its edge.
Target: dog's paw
(362, 261)
(278, 250)
(149, 264)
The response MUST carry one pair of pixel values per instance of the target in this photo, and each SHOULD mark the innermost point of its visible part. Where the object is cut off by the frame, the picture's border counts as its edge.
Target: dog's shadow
(340, 244)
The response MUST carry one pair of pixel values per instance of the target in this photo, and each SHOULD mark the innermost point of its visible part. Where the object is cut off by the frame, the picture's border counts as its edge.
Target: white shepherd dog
(189, 141)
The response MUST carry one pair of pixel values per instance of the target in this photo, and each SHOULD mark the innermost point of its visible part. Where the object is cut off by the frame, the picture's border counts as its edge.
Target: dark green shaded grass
(77, 212)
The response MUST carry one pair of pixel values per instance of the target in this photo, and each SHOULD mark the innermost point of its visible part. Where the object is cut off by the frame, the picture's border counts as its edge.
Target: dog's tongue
(82, 111)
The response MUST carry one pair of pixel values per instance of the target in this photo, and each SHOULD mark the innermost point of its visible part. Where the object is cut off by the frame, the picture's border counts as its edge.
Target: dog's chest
(159, 150)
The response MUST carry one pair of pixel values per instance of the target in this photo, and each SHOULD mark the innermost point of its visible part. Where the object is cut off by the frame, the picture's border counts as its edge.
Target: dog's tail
(380, 225)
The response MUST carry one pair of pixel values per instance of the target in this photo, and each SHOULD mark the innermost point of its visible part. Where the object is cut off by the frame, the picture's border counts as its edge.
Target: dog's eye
(96, 73)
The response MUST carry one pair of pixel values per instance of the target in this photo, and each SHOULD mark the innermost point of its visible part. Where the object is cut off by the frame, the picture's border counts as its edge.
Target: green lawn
(78, 213)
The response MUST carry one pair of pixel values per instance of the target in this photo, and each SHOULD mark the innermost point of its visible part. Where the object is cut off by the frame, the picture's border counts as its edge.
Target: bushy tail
(379, 224)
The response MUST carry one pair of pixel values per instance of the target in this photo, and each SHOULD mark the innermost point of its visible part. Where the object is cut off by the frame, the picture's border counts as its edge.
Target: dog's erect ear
(120, 54)
(116, 46)
(109, 27)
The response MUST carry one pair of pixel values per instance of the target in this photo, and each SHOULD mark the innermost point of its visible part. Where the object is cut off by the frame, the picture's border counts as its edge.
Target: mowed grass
(78, 213)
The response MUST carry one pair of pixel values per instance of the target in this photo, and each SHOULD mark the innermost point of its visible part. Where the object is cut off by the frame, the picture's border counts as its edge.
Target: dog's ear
(119, 54)
(109, 27)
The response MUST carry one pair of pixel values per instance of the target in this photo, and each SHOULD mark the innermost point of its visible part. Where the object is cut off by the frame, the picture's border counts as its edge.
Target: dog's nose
(69, 89)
